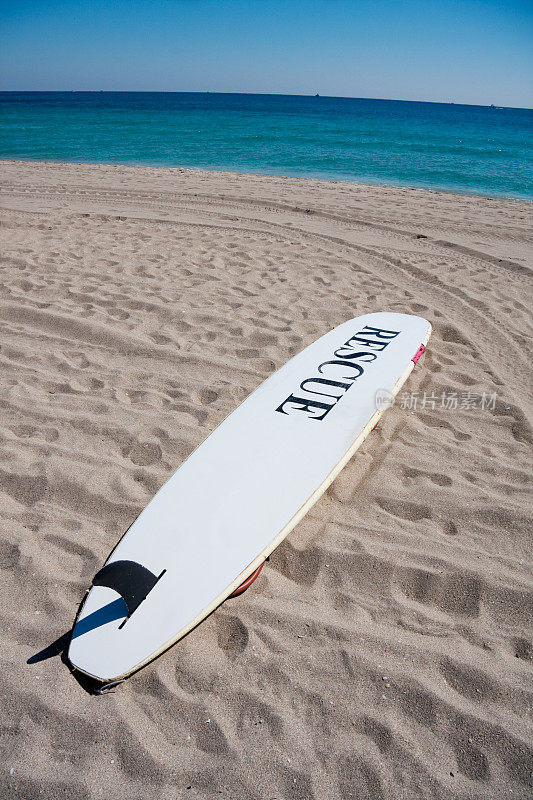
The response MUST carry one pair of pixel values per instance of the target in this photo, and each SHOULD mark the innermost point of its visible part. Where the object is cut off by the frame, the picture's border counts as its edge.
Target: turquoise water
(468, 149)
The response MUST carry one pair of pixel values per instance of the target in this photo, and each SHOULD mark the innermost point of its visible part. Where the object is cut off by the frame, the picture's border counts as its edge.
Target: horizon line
(260, 94)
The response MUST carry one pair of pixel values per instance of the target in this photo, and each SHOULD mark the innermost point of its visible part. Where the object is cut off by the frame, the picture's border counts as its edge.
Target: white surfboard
(241, 492)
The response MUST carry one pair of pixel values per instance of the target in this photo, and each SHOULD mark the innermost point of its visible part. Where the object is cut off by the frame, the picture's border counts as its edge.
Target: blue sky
(465, 51)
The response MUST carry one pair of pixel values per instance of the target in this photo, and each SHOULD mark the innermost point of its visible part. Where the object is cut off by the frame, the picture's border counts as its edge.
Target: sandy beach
(385, 651)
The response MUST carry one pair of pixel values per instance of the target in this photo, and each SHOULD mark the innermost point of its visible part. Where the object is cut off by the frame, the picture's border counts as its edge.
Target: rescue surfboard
(215, 521)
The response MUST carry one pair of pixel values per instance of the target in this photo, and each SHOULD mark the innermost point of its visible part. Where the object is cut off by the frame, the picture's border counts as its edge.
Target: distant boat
(317, 95)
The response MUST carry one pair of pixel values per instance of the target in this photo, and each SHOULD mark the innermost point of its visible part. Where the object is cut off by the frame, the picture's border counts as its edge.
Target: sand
(385, 650)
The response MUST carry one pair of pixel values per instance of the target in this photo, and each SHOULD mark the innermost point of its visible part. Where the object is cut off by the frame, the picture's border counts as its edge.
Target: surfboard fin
(130, 580)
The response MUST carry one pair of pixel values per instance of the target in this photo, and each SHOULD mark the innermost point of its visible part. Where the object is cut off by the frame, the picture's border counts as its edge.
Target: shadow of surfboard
(114, 610)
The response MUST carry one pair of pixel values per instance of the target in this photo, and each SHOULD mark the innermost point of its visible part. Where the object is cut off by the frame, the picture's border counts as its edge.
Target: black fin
(130, 580)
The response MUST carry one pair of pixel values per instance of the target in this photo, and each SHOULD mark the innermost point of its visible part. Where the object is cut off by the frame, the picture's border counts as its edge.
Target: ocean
(456, 148)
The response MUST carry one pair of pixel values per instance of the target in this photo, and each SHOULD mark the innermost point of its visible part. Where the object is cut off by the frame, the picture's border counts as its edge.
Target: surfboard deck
(241, 492)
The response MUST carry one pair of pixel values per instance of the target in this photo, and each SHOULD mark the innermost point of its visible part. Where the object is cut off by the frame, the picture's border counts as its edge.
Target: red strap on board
(248, 582)
(418, 353)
